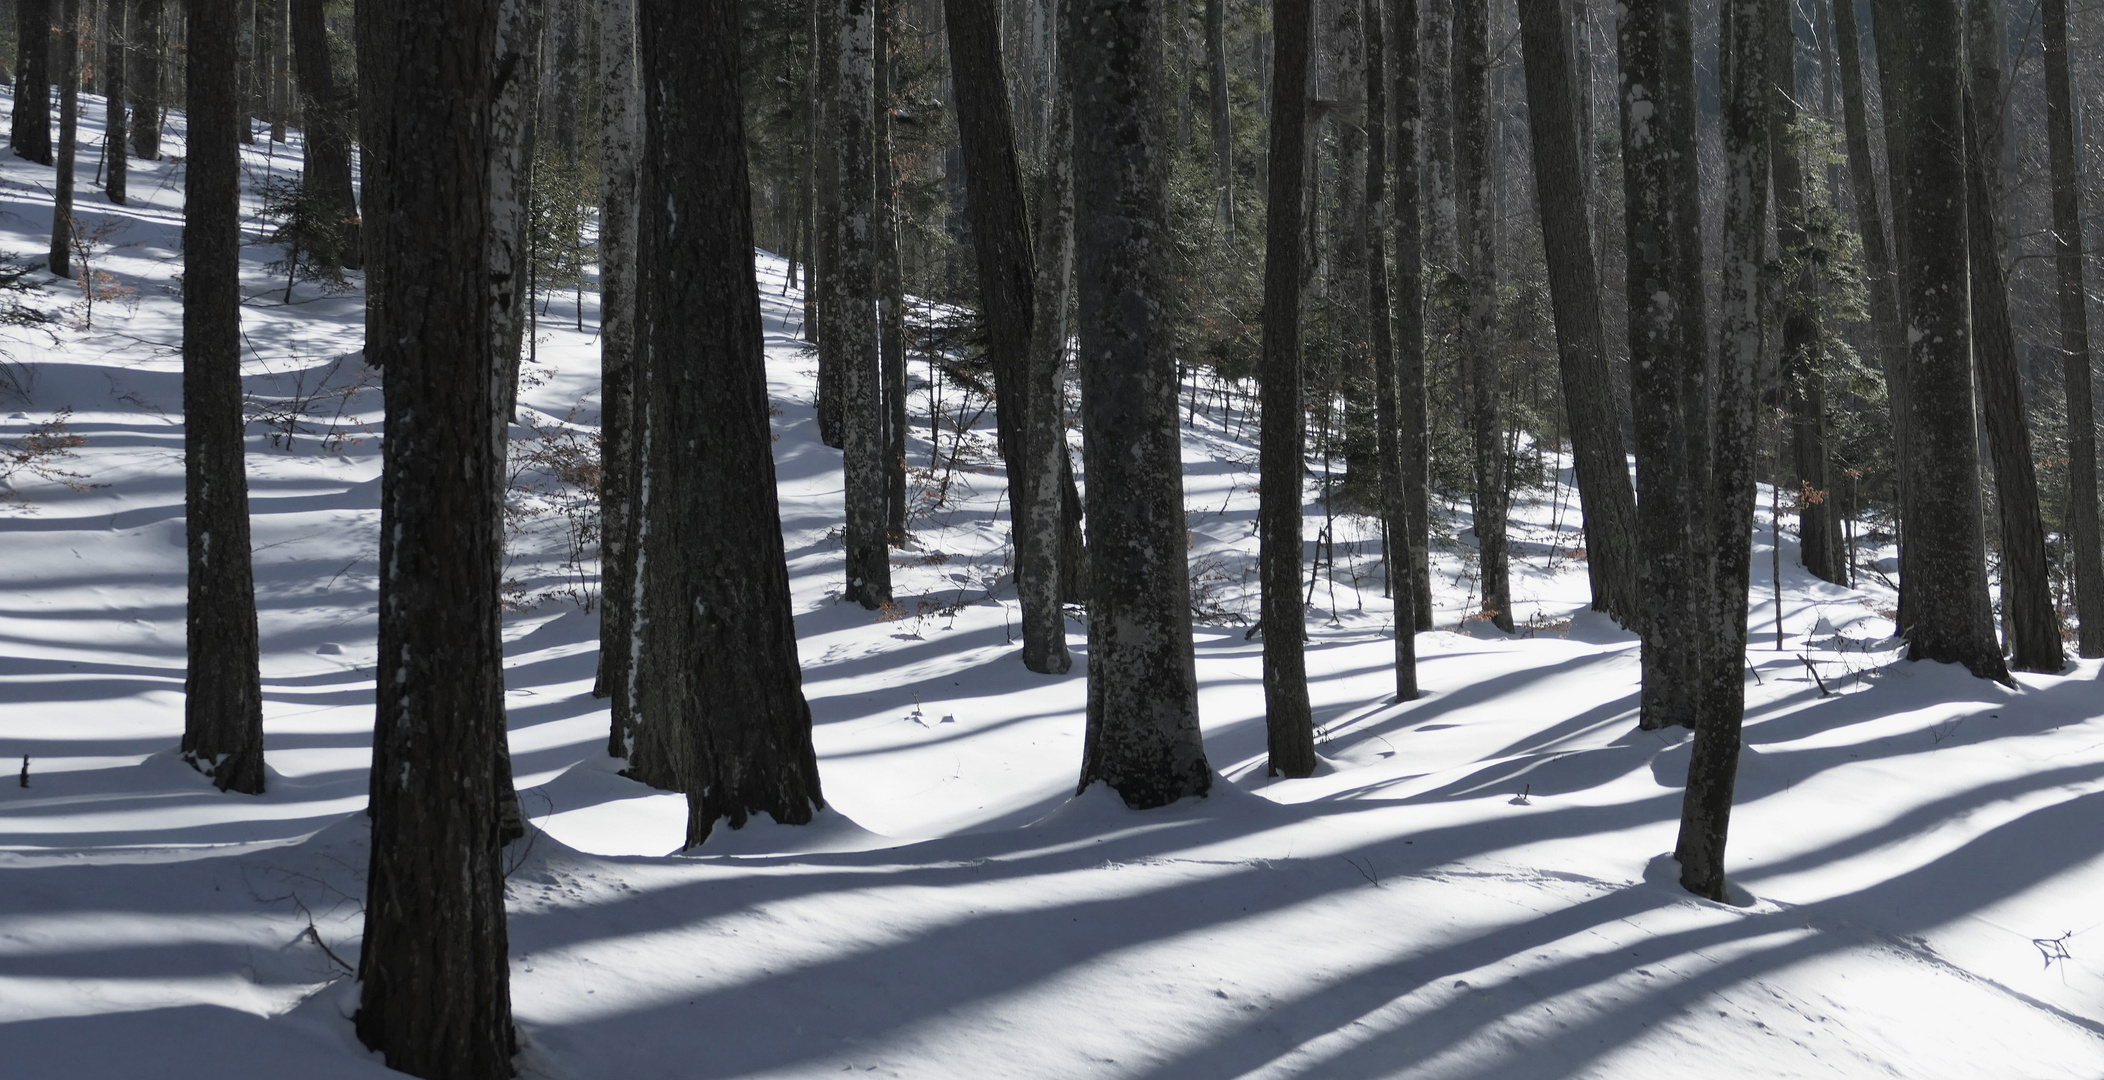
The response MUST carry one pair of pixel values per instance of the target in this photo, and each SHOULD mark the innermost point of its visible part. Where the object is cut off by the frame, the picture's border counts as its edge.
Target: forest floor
(1475, 885)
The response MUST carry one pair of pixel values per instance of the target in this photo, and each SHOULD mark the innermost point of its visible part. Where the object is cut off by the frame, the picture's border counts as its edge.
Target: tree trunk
(1803, 350)
(146, 79)
(1478, 345)
(1040, 507)
(373, 37)
(1602, 462)
(328, 143)
(1222, 114)
(244, 31)
(29, 131)
(1142, 737)
(2034, 624)
(116, 33)
(512, 136)
(1665, 341)
(620, 164)
(1288, 721)
(1882, 286)
(1395, 513)
(434, 981)
(1442, 250)
(853, 327)
(1001, 241)
(719, 579)
(891, 285)
(1713, 764)
(1949, 618)
(280, 68)
(61, 258)
(1887, 17)
(2074, 334)
(223, 692)
(828, 249)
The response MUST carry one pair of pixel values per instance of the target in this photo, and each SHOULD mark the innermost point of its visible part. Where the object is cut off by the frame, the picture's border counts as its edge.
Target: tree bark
(1819, 537)
(1001, 240)
(891, 285)
(620, 165)
(1665, 343)
(1040, 512)
(1713, 763)
(2074, 334)
(512, 137)
(61, 257)
(328, 144)
(1288, 721)
(1887, 17)
(853, 326)
(1412, 178)
(2027, 599)
(223, 692)
(1222, 114)
(1442, 243)
(1478, 345)
(1605, 498)
(116, 35)
(244, 31)
(146, 79)
(1949, 616)
(1142, 736)
(827, 49)
(1395, 513)
(719, 578)
(434, 982)
(29, 131)
(1882, 286)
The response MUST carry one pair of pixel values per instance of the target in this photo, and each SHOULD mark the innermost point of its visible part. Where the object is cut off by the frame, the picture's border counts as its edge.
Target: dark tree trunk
(29, 132)
(1001, 240)
(1478, 344)
(1414, 568)
(853, 328)
(1288, 721)
(2074, 334)
(513, 133)
(1602, 462)
(223, 692)
(2027, 598)
(1395, 513)
(719, 576)
(1713, 764)
(620, 164)
(146, 79)
(1882, 286)
(61, 259)
(435, 997)
(1949, 619)
(328, 144)
(827, 19)
(1142, 737)
(1040, 506)
(244, 31)
(373, 36)
(891, 285)
(1819, 538)
(1666, 348)
(1222, 113)
(116, 33)
(1442, 250)
(1887, 34)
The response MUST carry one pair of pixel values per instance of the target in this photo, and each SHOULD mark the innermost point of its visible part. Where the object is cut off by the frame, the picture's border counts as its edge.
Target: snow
(1472, 886)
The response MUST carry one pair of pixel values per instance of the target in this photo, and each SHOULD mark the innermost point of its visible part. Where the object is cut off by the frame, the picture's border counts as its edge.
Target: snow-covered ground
(1473, 886)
